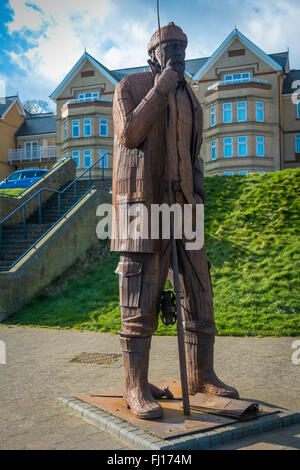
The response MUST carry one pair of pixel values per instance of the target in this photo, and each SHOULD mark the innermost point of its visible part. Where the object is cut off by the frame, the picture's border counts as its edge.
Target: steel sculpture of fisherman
(158, 134)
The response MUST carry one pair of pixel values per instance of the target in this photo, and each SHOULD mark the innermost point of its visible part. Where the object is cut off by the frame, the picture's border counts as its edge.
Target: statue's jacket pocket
(130, 282)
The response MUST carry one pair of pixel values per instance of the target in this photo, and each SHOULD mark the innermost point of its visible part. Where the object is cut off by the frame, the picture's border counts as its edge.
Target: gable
(86, 70)
(236, 50)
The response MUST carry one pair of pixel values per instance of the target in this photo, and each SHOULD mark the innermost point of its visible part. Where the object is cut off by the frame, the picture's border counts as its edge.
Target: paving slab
(38, 371)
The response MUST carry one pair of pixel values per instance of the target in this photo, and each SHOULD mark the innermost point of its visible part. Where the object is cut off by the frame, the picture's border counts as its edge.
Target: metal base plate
(173, 423)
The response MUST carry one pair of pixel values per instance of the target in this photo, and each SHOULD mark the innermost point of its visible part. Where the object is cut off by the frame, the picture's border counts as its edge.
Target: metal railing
(237, 81)
(41, 179)
(32, 155)
(38, 195)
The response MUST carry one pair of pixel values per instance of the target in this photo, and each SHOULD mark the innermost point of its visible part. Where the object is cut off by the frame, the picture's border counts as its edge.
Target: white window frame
(228, 173)
(241, 142)
(297, 143)
(239, 77)
(103, 122)
(65, 130)
(241, 106)
(88, 96)
(76, 125)
(31, 149)
(213, 150)
(243, 172)
(87, 153)
(76, 157)
(229, 143)
(225, 111)
(260, 108)
(258, 144)
(102, 153)
(87, 124)
(213, 117)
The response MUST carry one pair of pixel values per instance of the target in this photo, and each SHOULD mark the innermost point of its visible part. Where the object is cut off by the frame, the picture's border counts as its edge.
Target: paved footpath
(38, 371)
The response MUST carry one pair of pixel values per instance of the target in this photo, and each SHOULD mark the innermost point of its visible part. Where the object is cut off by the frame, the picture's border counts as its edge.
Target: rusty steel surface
(95, 358)
(172, 424)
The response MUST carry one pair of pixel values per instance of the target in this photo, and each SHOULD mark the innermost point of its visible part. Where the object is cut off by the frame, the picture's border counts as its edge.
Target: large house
(26, 140)
(251, 119)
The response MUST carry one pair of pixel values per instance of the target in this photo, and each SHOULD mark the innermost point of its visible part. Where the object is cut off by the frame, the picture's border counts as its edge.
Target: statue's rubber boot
(200, 367)
(137, 395)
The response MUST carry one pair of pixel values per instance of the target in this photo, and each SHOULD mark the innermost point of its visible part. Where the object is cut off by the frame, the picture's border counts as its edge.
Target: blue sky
(40, 40)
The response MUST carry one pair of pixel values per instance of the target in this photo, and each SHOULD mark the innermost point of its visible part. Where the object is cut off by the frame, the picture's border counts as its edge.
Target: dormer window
(237, 77)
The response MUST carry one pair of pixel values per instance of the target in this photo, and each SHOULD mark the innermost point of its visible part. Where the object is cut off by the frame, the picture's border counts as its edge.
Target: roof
(282, 58)
(37, 124)
(7, 102)
(191, 67)
(77, 67)
(235, 34)
(288, 81)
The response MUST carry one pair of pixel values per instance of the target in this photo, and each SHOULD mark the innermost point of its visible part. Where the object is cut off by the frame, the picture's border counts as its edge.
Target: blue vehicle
(23, 178)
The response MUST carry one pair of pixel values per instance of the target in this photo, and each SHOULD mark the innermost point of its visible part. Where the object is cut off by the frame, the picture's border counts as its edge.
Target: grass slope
(11, 192)
(252, 238)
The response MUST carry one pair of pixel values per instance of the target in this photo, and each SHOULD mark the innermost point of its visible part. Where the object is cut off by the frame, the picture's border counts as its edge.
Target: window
(242, 146)
(76, 157)
(87, 158)
(228, 173)
(87, 127)
(260, 146)
(31, 149)
(15, 176)
(260, 171)
(103, 127)
(212, 116)
(228, 147)
(91, 96)
(103, 154)
(237, 77)
(213, 150)
(242, 111)
(76, 129)
(298, 110)
(297, 143)
(243, 172)
(260, 111)
(65, 130)
(227, 112)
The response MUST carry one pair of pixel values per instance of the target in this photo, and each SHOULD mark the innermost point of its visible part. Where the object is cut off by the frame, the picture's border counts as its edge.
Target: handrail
(39, 195)
(5, 268)
(22, 192)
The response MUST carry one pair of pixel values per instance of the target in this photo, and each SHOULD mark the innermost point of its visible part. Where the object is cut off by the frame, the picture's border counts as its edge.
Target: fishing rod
(180, 332)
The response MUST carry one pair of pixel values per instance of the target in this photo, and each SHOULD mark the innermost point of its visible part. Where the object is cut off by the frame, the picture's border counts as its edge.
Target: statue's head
(172, 51)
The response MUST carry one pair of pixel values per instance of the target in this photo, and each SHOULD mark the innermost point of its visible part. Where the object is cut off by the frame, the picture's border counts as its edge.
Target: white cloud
(116, 32)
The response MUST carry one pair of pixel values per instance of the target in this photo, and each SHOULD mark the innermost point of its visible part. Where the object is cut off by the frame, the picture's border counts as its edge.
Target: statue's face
(173, 54)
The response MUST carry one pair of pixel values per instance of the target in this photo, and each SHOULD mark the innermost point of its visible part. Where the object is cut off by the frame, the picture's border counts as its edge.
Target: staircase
(14, 244)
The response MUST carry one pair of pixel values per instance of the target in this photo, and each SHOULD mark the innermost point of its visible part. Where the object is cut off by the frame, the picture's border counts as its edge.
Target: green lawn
(11, 192)
(252, 238)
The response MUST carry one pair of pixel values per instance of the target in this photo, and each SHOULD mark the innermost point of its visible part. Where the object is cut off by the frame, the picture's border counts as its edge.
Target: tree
(37, 106)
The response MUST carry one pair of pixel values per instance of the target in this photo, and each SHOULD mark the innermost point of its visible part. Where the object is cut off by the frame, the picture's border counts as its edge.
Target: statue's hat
(170, 32)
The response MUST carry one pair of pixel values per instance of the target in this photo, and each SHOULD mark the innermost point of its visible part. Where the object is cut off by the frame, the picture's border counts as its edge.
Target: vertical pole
(40, 208)
(24, 222)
